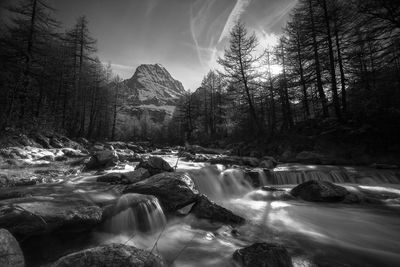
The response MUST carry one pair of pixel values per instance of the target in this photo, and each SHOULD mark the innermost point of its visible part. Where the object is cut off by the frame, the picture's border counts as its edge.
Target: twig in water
(185, 247)
(176, 164)
(158, 238)
(130, 238)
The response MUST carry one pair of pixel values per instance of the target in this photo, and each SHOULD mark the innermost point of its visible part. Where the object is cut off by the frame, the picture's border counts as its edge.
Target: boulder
(136, 175)
(319, 191)
(10, 252)
(263, 255)
(174, 189)
(83, 141)
(102, 159)
(155, 165)
(268, 162)
(250, 161)
(135, 148)
(56, 143)
(310, 157)
(116, 255)
(207, 209)
(125, 177)
(42, 140)
(112, 178)
(40, 215)
(73, 153)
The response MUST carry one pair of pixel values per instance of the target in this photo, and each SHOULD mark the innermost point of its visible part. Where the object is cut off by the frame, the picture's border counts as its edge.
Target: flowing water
(315, 234)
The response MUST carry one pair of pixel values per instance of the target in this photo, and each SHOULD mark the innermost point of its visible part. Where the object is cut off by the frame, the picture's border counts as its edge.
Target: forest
(52, 79)
(338, 59)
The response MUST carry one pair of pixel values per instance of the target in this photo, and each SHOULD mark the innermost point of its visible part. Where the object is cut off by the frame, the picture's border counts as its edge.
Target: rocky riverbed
(77, 203)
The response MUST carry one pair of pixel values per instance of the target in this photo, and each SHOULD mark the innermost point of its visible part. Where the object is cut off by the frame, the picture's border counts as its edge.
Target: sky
(185, 36)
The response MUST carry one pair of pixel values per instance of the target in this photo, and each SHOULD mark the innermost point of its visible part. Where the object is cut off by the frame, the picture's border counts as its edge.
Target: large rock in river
(319, 191)
(263, 255)
(40, 215)
(116, 255)
(102, 159)
(207, 209)
(155, 165)
(174, 189)
(10, 252)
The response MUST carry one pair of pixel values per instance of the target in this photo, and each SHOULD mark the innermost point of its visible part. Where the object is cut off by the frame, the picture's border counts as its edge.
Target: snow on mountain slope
(153, 84)
(149, 100)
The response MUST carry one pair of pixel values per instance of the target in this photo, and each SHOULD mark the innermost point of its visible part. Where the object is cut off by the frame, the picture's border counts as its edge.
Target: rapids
(315, 234)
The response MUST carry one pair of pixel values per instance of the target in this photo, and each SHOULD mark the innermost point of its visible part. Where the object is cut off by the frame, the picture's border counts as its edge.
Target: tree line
(51, 78)
(339, 59)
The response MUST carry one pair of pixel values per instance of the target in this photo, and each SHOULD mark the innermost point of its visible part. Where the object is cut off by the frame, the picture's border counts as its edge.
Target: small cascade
(334, 175)
(233, 182)
(136, 212)
(220, 184)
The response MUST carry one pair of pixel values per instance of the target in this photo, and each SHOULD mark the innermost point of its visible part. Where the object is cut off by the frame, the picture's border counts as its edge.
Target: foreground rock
(263, 255)
(207, 209)
(10, 252)
(116, 255)
(155, 165)
(101, 160)
(320, 191)
(40, 215)
(174, 189)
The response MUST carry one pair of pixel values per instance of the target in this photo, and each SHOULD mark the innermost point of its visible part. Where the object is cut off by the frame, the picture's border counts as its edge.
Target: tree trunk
(336, 103)
(317, 64)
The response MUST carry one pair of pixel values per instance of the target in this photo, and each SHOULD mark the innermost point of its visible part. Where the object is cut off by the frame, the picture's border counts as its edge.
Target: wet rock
(310, 157)
(135, 148)
(42, 140)
(10, 252)
(116, 255)
(319, 191)
(129, 156)
(263, 255)
(56, 143)
(384, 166)
(112, 178)
(136, 175)
(83, 141)
(101, 160)
(271, 189)
(73, 153)
(250, 161)
(40, 215)
(268, 162)
(195, 149)
(124, 177)
(155, 165)
(207, 209)
(47, 158)
(174, 189)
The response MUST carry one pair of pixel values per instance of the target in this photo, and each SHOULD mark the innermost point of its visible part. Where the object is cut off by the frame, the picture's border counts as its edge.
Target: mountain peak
(153, 84)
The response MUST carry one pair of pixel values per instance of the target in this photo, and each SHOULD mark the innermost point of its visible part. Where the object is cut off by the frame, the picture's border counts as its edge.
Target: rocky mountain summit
(153, 85)
(150, 97)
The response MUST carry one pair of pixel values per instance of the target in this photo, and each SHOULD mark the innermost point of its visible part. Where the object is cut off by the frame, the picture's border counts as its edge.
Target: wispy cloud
(277, 16)
(234, 16)
(209, 27)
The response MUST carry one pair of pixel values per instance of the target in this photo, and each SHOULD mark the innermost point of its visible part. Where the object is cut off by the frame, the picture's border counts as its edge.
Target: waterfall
(220, 184)
(337, 175)
(137, 213)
